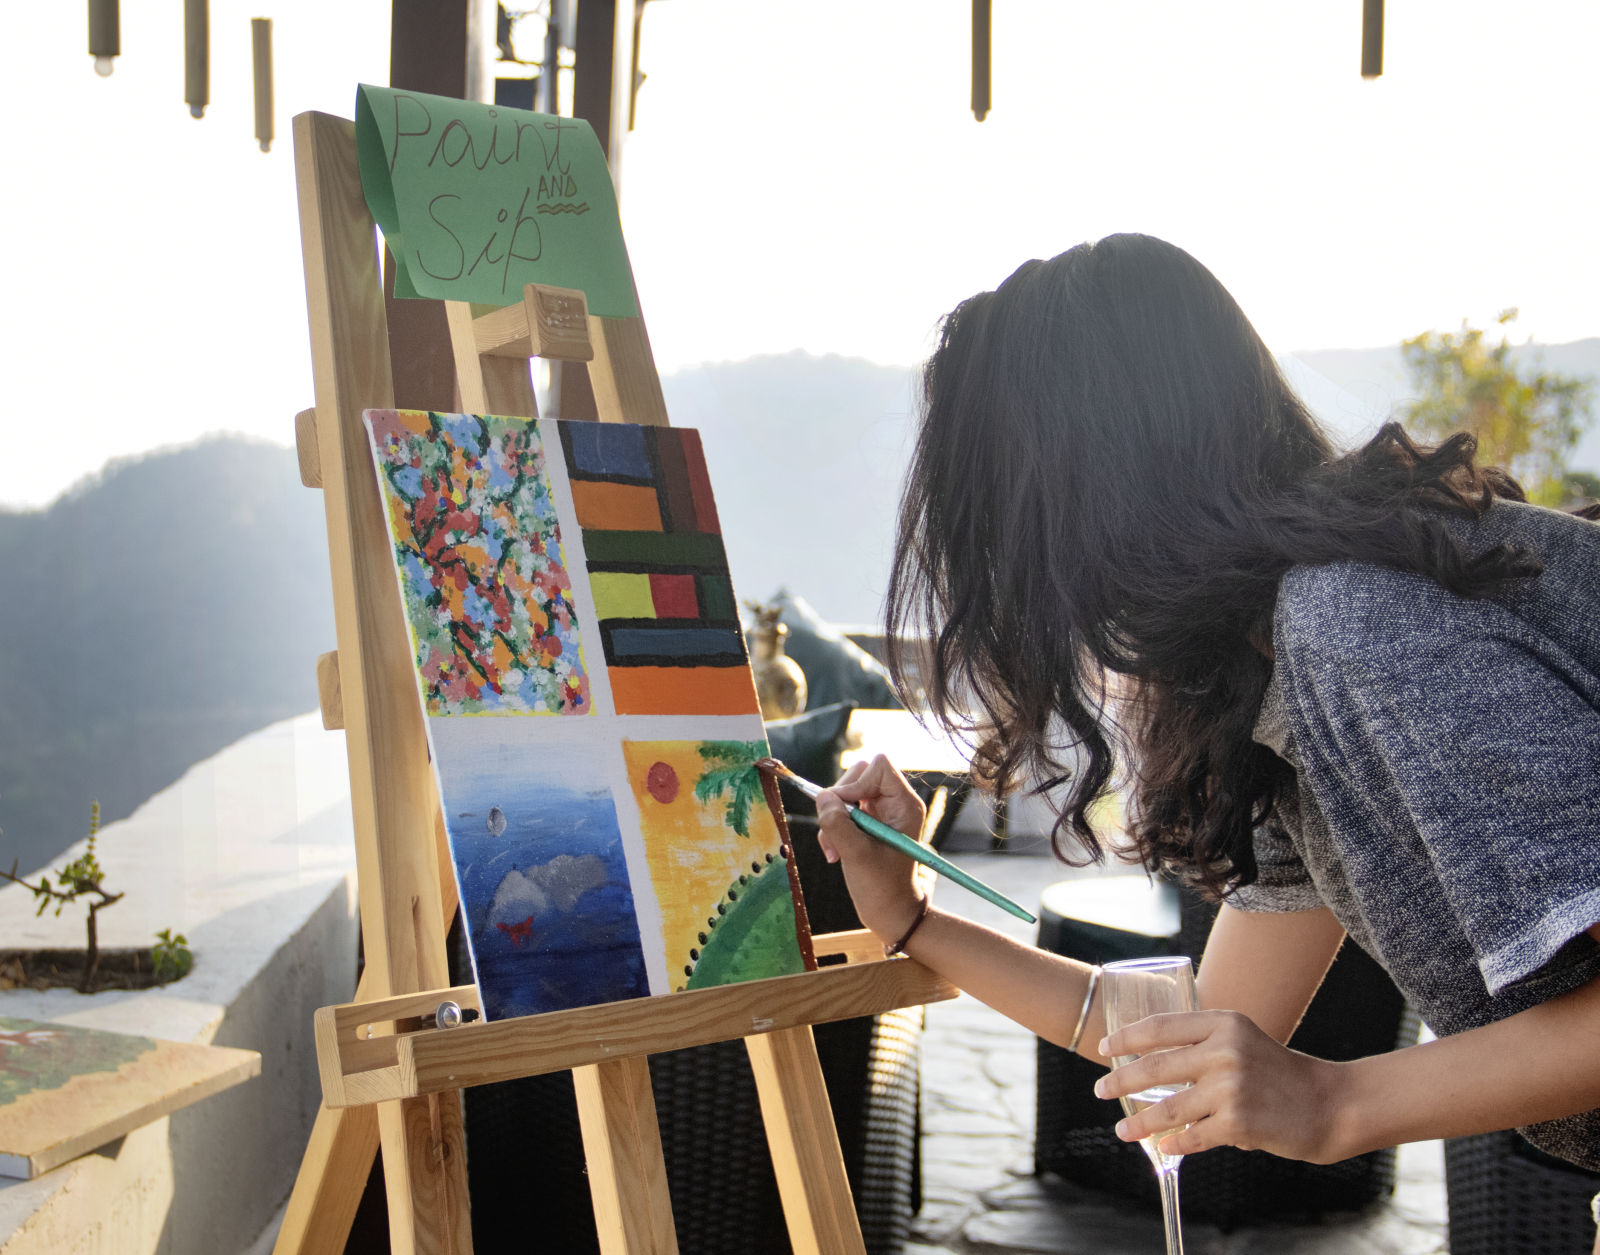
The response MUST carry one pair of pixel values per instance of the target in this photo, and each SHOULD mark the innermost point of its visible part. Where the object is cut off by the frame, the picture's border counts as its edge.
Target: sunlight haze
(811, 177)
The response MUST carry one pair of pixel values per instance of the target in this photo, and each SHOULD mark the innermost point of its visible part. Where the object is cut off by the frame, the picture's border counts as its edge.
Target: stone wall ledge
(250, 855)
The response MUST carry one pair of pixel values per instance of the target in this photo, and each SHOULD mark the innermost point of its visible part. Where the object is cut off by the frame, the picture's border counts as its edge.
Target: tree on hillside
(1526, 419)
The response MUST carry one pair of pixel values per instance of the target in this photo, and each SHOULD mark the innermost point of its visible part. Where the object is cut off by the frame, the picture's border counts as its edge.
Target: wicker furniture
(1509, 1198)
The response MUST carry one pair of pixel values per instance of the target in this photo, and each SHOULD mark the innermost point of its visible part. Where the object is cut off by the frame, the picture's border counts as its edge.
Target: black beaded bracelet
(898, 947)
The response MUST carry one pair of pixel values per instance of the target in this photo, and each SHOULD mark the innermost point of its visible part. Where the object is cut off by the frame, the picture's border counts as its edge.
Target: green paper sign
(476, 200)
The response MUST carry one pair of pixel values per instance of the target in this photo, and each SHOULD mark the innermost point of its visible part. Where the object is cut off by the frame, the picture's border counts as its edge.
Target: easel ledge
(359, 1068)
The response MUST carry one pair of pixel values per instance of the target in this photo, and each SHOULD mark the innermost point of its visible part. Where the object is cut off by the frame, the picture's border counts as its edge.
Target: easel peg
(558, 323)
(548, 322)
(329, 695)
(305, 447)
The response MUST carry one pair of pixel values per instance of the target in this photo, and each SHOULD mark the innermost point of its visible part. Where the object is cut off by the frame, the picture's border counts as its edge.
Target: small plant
(171, 956)
(80, 878)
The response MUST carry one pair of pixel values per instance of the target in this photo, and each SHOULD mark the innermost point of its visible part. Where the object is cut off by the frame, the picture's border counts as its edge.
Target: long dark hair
(1110, 478)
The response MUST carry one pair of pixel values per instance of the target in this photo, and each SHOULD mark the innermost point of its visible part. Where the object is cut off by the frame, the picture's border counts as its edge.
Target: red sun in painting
(662, 781)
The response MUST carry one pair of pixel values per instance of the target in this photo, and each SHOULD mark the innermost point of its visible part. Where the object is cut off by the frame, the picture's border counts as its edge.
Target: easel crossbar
(412, 1064)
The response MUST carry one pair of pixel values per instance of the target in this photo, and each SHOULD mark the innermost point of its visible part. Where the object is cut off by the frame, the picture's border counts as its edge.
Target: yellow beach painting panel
(716, 861)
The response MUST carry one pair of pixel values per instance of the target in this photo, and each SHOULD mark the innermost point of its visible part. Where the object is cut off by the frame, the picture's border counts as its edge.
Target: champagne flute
(1133, 990)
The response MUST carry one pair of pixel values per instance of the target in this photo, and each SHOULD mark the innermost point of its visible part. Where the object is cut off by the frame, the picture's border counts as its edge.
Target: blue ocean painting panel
(538, 854)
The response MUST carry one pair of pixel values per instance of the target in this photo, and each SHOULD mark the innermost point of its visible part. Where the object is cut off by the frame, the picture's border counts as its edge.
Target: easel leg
(817, 1204)
(425, 1169)
(627, 1174)
(332, 1175)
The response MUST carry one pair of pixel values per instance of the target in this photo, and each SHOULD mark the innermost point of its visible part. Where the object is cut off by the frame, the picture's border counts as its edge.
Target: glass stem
(1169, 1208)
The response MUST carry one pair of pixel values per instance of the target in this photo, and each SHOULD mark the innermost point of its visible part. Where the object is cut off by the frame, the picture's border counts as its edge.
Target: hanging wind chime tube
(261, 48)
(980, 58)
(105, 35)
(196, 57)
(1371, 38)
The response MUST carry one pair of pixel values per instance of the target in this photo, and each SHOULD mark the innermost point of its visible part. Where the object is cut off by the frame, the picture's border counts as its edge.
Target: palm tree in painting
(730, 767)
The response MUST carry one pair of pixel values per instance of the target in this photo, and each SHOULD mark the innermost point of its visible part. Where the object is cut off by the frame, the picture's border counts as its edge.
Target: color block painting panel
(669, 624)
(716, 861)
(538, 850)
(477, 542)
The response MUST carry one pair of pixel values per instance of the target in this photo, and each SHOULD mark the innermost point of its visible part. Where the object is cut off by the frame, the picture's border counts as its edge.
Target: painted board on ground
(591, 715)
(66, 1090)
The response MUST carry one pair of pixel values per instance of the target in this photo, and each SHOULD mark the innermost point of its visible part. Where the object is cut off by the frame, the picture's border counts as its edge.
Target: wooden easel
(388, 1078)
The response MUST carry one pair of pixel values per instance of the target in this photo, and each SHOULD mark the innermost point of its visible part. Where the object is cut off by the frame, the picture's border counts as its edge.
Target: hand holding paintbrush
(908, 846)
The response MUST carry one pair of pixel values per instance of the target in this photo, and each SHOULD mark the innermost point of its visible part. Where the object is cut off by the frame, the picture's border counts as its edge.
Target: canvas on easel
(593, 722)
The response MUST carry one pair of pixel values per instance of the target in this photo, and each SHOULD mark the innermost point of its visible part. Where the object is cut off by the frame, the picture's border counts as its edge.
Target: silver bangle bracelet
(1083, 1015)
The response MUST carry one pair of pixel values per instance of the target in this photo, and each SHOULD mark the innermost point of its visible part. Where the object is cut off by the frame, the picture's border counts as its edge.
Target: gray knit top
(1447, 760)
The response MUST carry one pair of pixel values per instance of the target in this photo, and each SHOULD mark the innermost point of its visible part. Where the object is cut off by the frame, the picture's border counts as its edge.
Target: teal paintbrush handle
(922, 854)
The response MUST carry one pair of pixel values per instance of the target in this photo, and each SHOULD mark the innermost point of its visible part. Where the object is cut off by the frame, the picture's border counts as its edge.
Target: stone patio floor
(980, 1194)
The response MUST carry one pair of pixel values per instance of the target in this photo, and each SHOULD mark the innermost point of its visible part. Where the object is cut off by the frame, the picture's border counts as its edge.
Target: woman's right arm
(1264, 965)
(1041, 991)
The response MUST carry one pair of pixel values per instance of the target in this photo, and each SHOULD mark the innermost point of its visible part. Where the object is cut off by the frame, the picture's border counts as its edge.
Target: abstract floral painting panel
(477, 539)
(549, 905)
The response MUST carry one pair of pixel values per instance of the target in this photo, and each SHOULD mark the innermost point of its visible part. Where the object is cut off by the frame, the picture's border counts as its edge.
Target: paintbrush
(912, 849)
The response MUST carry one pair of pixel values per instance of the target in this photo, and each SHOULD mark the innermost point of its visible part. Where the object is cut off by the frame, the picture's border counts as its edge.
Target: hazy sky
(810, 176)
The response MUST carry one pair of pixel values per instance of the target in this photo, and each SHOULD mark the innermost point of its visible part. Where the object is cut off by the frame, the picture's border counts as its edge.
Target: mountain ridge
(171, 602)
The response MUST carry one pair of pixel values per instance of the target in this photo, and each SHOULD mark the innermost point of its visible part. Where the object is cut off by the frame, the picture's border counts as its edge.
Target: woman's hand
(1245, 1089)
(882, 881)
